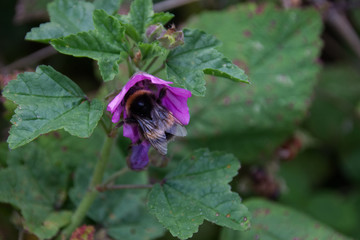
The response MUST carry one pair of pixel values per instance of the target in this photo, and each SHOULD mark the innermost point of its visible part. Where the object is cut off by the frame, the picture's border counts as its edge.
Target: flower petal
(117, 114)
(132, 132)
(176, 102)
(139, 156)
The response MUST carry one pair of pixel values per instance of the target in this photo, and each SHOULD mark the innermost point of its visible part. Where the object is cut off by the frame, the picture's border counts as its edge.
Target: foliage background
(295, 129)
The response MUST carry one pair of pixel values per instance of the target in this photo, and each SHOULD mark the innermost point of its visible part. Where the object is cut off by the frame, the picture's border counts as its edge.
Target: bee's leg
(160, 161)
(127, 121)
(130, 121)
(164, 161)
(114, 130)
(162, 94)
(137, 142)
(120, 124)
(133, 121)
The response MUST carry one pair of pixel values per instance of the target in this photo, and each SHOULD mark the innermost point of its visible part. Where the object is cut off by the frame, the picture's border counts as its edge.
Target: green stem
(130, 67)
(151, 63)
(115, 176)
(91, 194)
(158, 70)
(103, 124)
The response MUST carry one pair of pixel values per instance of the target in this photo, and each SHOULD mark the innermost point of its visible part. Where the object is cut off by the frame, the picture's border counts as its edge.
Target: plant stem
(130, 67)
(30, 59)
(151, 63)
(115, 176)
(171, 4)
(21, 234)
(339, 21)
(91, 194)
(158, 70)
(103, 124)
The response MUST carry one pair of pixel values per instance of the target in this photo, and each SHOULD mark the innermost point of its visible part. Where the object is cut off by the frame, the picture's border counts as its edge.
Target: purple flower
(164, 118)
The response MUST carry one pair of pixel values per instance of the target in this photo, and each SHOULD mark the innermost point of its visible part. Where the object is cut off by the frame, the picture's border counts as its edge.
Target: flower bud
(153, 32)
(171, 39)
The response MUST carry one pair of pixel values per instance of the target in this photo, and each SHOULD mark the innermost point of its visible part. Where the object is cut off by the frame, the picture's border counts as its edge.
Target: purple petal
(117, 114)
(176, 102)
(132, 132)
(114, 104)
(139, 156)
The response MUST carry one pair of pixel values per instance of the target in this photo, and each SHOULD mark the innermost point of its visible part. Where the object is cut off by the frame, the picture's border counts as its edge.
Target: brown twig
(344, 27)
(291, 3)
(30, 59)
(171, 4)
(21, 234)
(113, 177)
(338, 20)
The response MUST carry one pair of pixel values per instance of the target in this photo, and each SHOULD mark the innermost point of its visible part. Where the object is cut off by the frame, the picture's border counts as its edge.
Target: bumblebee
(155, 123)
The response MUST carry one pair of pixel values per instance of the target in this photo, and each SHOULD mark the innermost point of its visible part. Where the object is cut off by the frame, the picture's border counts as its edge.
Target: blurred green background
(295, 129)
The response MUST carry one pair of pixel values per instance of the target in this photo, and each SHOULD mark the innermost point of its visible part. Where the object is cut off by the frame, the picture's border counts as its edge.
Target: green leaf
(140, 14)
(279, 50)
(342, 207)
(351, 164)
(196, 190)
(161, 17)
(150, 50)
(51, 225)
(104, 44)
(110, 6)
(66, 17)
(186, 64)
(49, 101)
(34, 185)
(37, 179)
(121, 212)
(129, 29)
(20, 189)
(336, 101)
(63, 148)
(141, 226)
(301, 180)
(272, 221)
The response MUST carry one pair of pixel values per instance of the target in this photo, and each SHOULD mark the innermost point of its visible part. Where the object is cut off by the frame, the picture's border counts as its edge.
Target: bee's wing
(177, 130)
(155, 135)
(160, 144)
(165, 120)
(157, 129)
